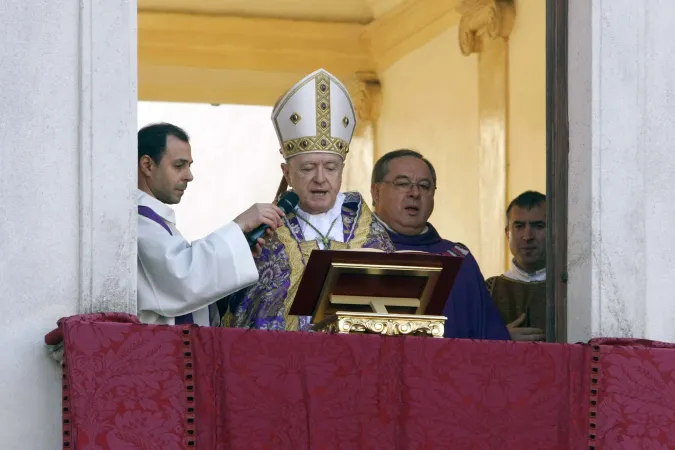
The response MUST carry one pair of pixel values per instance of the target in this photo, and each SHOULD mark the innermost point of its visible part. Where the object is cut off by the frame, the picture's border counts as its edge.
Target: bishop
(314, 122)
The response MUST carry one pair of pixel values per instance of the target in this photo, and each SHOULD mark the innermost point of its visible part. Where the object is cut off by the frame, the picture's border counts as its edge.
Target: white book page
(377, 250)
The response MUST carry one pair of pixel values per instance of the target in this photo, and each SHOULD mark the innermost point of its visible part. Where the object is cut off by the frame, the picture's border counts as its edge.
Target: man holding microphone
(179, 282)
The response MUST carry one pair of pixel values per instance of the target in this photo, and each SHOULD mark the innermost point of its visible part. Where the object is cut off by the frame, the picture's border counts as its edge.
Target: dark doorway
(557, 151)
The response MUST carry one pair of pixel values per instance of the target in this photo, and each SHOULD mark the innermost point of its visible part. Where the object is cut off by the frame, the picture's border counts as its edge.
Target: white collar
(162, 209)
(384, 224)
(516, 273)
(335, 211)
(329, 223)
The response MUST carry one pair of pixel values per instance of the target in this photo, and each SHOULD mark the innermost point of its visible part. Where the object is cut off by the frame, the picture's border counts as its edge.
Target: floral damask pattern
(281, 263)
(125, 385)
(256, 389)
(636, 396)
(297, 390)
(491, 395)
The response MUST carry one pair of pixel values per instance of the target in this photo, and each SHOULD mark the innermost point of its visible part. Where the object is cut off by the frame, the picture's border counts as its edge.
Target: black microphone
(286, 203)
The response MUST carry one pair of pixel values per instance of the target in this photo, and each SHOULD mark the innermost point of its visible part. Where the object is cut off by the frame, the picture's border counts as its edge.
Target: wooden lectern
(400, 293)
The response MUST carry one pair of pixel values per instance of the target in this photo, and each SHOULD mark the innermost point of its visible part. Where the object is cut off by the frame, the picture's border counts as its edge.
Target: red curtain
(134, 386)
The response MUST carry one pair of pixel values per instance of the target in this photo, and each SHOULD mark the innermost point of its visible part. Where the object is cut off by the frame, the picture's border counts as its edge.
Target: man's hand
(524, 334)
(258, 214)
(257, 250)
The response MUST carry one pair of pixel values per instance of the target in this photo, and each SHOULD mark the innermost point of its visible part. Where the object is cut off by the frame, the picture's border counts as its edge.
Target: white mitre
(315, 115)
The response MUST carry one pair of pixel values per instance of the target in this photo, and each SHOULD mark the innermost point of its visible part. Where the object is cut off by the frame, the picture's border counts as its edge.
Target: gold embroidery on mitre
(323, 141)
(322, 111)
(304, 144)
(295, 118)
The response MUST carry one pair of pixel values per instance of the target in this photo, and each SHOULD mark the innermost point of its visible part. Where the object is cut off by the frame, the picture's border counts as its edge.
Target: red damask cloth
(133, 386)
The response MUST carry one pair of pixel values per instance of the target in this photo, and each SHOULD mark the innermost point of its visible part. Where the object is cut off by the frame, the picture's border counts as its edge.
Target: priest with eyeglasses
(403, 187)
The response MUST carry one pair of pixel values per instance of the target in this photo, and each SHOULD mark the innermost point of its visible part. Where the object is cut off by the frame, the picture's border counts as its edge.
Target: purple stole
(152, 215)
(281, 264)
(471, 312)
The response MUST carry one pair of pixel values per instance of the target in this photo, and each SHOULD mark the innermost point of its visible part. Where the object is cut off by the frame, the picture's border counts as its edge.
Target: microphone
(286, 203)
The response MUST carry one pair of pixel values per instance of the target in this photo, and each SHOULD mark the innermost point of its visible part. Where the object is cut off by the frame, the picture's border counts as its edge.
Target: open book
(378, 250)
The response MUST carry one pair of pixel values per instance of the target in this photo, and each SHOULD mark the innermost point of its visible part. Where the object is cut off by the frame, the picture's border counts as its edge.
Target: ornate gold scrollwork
(384, 324)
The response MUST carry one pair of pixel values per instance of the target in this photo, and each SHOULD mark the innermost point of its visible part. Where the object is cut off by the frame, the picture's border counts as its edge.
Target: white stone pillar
(621, 242)
(67, 190)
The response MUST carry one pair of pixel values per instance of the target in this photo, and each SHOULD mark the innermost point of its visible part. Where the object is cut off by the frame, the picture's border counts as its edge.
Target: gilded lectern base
(384, 324)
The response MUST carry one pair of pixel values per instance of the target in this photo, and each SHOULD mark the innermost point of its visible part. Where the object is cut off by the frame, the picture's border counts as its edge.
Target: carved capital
(484, 18)
(368, 97)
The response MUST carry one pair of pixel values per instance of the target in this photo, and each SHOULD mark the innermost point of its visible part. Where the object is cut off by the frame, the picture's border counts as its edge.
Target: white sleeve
(180, 279)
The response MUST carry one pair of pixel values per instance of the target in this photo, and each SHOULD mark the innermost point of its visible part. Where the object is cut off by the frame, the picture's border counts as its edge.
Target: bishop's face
(316, 178)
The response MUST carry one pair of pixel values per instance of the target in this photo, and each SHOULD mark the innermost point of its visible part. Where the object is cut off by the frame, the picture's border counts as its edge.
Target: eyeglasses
(425, 187)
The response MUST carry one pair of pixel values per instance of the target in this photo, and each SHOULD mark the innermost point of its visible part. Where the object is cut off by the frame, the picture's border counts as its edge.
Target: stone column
(484, 29)
(621, 244)
(67, 178)
(367, 98)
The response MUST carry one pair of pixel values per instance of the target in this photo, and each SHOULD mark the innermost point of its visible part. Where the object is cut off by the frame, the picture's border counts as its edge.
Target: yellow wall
(527, 99)
(430, 104)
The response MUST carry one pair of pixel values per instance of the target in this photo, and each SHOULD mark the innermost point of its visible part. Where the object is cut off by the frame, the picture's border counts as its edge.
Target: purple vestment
(281, 264)
(470, 310)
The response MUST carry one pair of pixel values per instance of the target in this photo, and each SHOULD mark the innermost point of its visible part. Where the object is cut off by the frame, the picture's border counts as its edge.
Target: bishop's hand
(257, 249)
(527, 334)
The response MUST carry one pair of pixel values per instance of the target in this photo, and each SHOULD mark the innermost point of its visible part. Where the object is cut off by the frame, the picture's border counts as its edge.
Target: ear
(146, 165)
(375, 193)
(285, 169)
(506, 231)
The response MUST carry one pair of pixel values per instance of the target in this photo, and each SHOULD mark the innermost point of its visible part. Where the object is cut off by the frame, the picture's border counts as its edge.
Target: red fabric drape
(133, 386)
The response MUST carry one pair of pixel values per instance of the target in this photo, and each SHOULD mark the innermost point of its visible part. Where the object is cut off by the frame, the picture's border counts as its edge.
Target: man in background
(178, 281)
(403, 187)
(520, 293)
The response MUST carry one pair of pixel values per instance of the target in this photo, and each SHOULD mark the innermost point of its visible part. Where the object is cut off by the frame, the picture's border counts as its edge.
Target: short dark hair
(381, 168)
(526, 200)
(152, 139)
